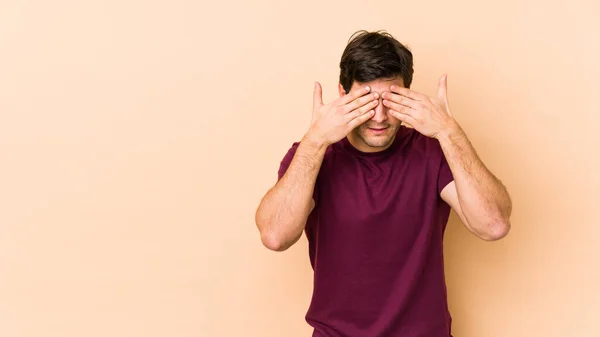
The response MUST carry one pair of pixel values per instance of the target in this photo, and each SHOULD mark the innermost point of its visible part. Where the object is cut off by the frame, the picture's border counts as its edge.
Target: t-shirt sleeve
(445, 174)
(285, 164)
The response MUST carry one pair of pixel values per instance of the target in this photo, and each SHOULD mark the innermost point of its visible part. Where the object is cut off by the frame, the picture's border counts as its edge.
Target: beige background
(137, 137)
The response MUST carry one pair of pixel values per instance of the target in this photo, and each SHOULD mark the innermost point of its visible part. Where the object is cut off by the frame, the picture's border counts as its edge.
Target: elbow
(496, 230)
(276, 235)
(268, 236)
(273, 242)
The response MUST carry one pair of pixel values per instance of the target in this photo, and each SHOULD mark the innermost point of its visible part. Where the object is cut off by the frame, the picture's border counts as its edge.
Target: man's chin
(376, 141)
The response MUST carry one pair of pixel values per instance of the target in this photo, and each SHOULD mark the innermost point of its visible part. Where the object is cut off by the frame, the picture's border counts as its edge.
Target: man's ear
(341, 90)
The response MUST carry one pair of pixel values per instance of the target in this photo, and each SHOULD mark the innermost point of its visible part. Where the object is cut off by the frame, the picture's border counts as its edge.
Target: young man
(373, 197)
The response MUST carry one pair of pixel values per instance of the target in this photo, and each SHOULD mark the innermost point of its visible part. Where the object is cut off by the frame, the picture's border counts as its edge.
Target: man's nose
(380, 112)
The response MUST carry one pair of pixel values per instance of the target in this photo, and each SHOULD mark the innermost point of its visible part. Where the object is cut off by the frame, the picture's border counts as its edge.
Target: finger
(399, 99)
(317, 96)
(361, 101)
(407, 93)
(443, 87)
(408, 119)
(351, 96)
(399, 107)
(362, 110)
(361, 119)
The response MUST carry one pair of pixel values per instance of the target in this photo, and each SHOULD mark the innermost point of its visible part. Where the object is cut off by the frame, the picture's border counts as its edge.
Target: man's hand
(429, 116)
(332, 122)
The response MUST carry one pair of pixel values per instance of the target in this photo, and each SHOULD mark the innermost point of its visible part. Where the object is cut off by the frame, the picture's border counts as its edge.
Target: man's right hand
(332, 122)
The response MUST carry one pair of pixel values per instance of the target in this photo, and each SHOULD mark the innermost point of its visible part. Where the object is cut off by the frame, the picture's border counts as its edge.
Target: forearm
(282, 214)
(484, 200)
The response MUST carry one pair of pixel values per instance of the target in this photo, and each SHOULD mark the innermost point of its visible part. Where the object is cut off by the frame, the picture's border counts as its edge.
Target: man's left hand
(429, 116)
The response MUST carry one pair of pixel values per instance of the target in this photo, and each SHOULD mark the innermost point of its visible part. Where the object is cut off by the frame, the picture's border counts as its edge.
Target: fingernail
(367, 87)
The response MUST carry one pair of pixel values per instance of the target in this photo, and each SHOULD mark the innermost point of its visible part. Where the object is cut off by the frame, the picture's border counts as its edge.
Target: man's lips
(377, 130)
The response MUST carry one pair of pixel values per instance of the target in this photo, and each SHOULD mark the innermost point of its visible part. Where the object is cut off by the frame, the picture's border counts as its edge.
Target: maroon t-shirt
(375, 240)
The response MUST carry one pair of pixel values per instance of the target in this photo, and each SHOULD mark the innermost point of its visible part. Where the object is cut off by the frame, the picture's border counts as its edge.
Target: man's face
(378, 133)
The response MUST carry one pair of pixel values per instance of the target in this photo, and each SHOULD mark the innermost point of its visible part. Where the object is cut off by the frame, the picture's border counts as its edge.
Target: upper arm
(450, 196)
(285, 164)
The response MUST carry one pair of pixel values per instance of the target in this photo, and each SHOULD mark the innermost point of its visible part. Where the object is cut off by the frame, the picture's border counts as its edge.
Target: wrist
(313, 139)
(450, 132)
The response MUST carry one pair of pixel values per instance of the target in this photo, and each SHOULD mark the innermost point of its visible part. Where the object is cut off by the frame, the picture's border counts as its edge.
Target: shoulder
(294, 146)
(291, 151)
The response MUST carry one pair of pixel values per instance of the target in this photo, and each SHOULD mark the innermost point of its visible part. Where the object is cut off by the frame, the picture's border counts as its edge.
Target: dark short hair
(369, 56)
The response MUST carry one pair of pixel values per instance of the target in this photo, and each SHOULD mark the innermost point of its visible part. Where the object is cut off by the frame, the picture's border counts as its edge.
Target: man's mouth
(378, 130)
